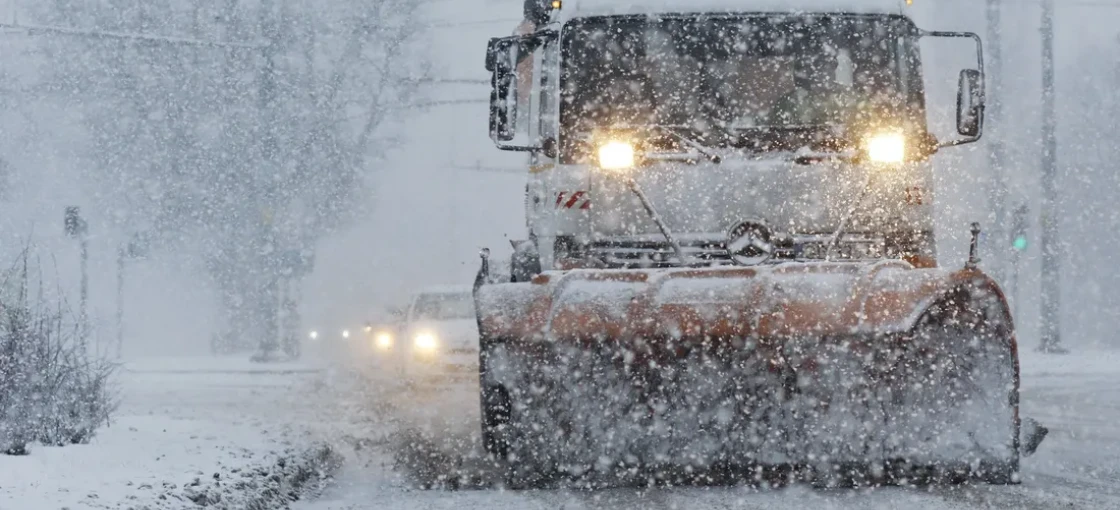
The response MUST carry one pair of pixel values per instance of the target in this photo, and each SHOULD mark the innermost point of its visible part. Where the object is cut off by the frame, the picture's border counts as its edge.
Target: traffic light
(1019, 232)
(73, 222)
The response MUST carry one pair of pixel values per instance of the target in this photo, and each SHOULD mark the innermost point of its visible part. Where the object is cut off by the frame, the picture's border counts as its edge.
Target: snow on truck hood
(580, 8)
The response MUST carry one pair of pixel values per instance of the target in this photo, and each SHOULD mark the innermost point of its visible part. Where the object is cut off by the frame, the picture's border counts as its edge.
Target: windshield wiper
(808, 157)
(714, 158)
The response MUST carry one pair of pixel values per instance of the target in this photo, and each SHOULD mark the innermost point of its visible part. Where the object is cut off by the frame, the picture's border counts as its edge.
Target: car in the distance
(440, 336)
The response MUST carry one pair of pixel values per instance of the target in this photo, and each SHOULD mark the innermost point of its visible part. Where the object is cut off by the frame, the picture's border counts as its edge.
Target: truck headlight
(383, 341)
(616, 156)
(346, 333)
(886, 148)
(314, 335)
(425, 342)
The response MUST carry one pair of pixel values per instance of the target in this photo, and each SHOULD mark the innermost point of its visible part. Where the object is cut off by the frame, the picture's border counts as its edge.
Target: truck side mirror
(500, 58)
(970, 103)
(515, 80)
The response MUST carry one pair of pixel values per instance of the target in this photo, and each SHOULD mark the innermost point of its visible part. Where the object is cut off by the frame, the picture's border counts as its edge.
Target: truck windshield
(441, 307)
(729, 80)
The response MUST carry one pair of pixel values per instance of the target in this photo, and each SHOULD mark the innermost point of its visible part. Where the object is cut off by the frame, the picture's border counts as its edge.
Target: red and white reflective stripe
(572, 200)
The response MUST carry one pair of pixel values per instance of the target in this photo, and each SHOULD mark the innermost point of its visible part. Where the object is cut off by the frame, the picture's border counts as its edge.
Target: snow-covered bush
(53, 391)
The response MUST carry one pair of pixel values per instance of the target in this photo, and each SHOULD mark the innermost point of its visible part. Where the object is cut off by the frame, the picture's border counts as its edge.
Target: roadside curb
(290, 476)
(306, 473)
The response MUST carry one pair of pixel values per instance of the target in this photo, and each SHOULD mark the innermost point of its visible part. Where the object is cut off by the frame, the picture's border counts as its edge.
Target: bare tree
(53, 390)
(252, 152)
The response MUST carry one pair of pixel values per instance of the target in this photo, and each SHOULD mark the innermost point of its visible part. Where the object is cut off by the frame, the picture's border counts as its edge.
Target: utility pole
(76, 227)
(264, 304)
(120, 301)
(137, 247)
(1051, 263)
(997, 193)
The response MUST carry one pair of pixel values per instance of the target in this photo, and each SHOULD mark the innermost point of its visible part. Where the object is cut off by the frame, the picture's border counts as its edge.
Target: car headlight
(369, 329)
(314, 335)
(886, 148)
(616, 156)
(425, 342)
(346, 333)
(383, 341)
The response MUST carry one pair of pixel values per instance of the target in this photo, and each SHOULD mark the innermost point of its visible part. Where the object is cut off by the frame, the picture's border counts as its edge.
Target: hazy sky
(430, 218)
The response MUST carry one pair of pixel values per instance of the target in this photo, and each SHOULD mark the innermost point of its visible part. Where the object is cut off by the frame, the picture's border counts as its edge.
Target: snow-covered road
(1078, 466)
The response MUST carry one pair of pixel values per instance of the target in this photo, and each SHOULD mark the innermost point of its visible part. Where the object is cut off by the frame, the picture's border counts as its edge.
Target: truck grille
(648, 252)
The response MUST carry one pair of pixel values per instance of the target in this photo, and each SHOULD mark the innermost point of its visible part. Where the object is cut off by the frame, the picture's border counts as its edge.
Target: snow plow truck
(731, 267)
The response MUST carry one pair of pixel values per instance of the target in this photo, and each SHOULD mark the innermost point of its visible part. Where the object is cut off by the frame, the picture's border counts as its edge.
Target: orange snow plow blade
(837, 371)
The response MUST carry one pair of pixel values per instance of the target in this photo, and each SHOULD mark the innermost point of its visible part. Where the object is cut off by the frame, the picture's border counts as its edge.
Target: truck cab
(802, 122)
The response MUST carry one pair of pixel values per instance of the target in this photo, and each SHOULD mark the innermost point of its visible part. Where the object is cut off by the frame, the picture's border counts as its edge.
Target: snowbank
(205, 432)
(155, 462)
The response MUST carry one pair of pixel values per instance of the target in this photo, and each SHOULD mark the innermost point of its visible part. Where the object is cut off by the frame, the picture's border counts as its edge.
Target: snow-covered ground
(206, 427)
(1076, 396)
(188, 431)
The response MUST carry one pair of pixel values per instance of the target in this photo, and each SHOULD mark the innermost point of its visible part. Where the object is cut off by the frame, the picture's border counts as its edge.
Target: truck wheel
(496, 413)
(506, 435)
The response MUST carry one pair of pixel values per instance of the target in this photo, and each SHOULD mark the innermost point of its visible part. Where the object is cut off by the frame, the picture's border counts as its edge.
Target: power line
(1065, 3)
(128, 36)
(451, 24)
(491, 169)
(447, 102)
(467, 81)
(1085, 3)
